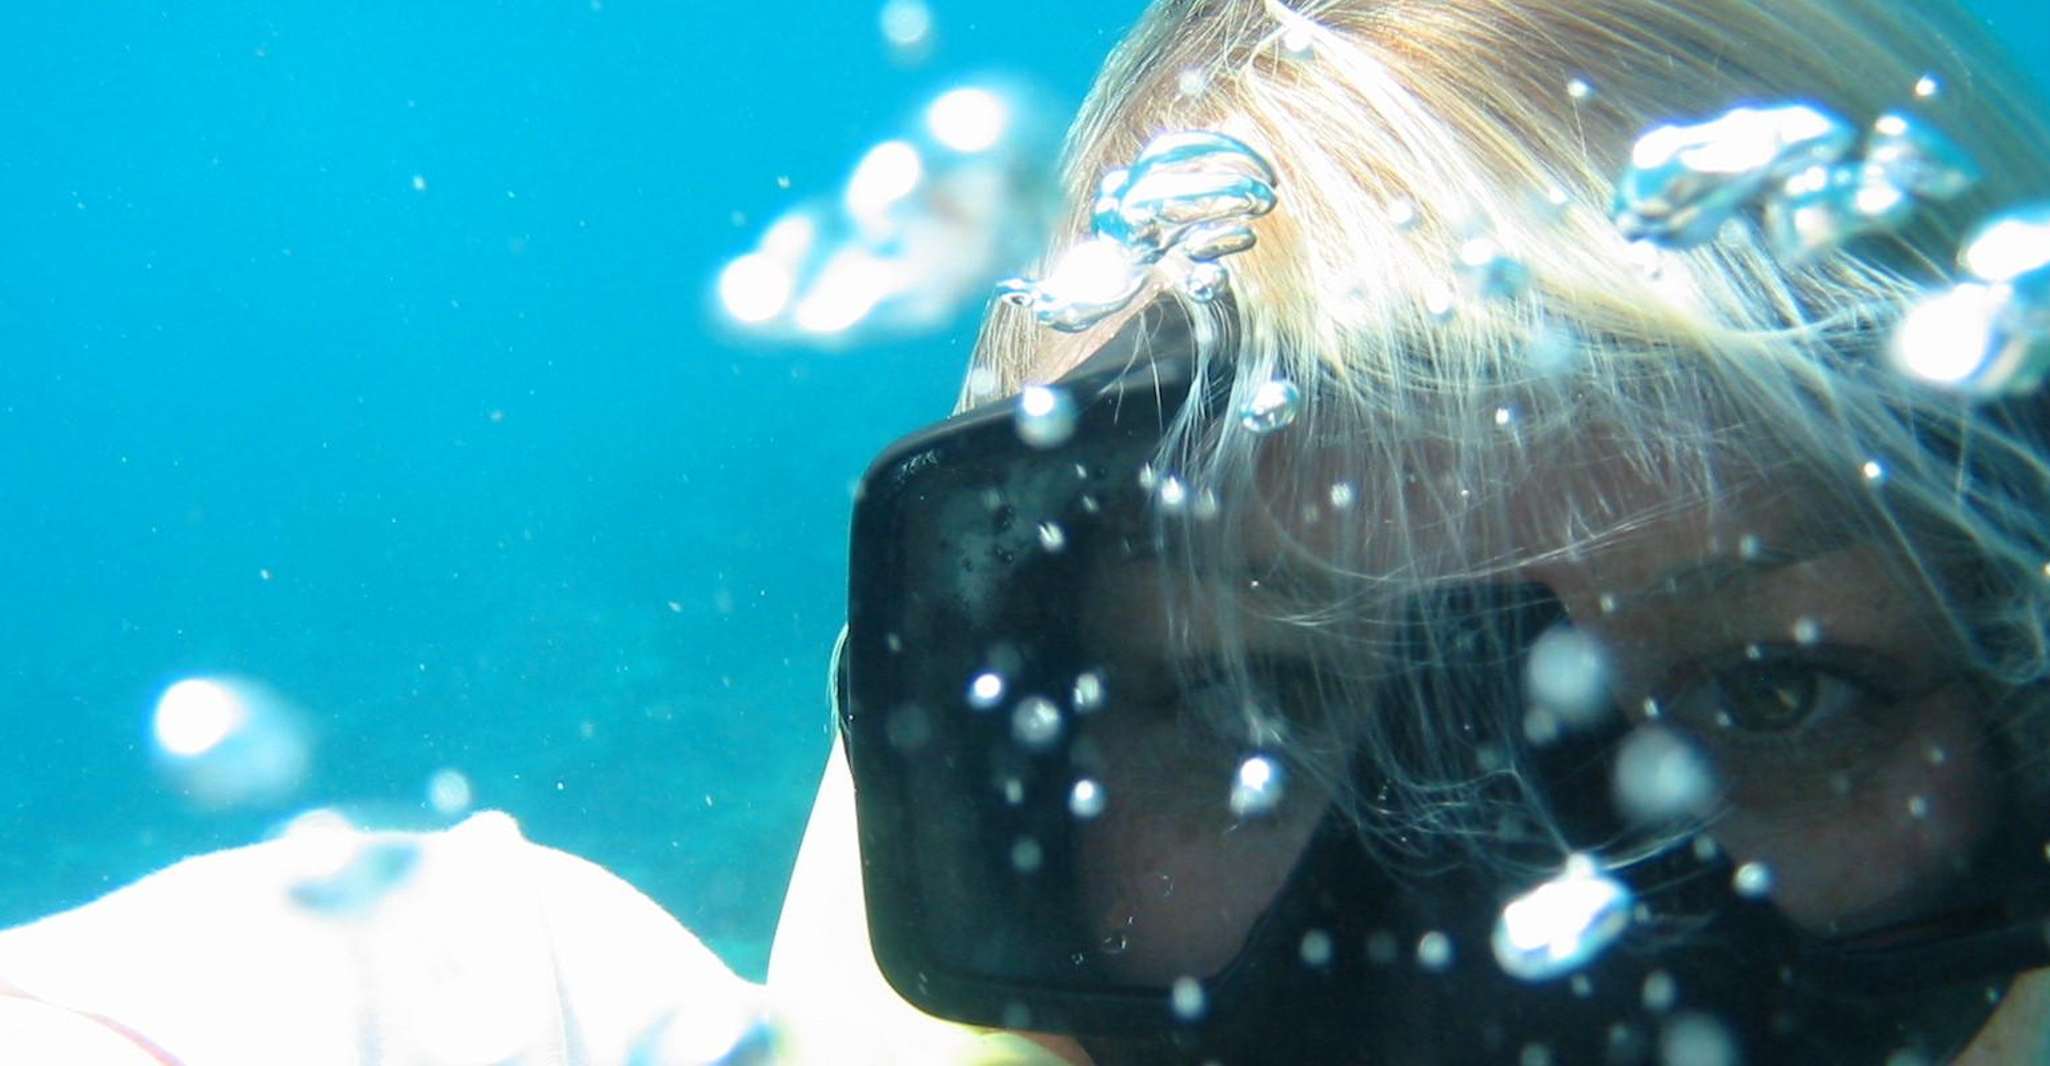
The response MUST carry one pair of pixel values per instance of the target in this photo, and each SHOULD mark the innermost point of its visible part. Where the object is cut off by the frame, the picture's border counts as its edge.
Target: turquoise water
(480, 436)
(372, 355)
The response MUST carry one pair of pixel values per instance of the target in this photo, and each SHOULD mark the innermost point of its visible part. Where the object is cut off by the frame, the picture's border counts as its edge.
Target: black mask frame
(943, 584)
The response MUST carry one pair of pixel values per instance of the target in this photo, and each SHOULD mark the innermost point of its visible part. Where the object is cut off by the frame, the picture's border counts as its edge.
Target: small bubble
(1257, 787)
(448, 792)
(1434, 951)
(1191, 82)
(1026, 855)
(1187, 998)
(1660, 991)
(1341, 495)
(1579, 88)
(1205, 281)
(1051, 537)
(1936, 755)
(981, 381)
(1036, 722)
(1440, 302)
(1918, 806)
(906, 24)
(1296, 42)
(1695, 1039)
(1490, 272)
(1086, 799)
(1807, 631)
(1581, 986)
(1660, 777)
(1045, 417)
(1534, 1055)
(1873, 472)
(908, 728)
(1316, 948)
(1567, 673)
(419, 183)
(1748, 547)
(1705, 849)
(1606, 602)
(1088, 693)
(1402, 214)
(1752, 880)
(1504, 416)
(986, 691)
(1273, 405)
(1928, 85)
(1172, 494)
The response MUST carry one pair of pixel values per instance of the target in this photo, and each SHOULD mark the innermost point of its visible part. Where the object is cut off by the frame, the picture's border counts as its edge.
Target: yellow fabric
(834, 1005)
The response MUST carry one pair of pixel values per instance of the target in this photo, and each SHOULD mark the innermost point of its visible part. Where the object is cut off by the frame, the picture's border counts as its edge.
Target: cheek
(1898, 836)
(1172, 880)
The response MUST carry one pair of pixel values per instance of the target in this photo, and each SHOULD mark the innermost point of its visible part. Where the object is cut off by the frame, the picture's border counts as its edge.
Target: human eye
(1780, 703)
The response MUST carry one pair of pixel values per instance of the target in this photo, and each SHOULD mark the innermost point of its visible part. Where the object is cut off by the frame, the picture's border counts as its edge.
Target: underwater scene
(373, 359)
(415, 410)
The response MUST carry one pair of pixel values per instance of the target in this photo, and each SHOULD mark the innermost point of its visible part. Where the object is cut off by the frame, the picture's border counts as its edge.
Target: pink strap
(148, 1046)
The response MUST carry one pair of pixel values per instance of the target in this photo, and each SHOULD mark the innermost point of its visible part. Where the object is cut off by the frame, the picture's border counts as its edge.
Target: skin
(1896, 785)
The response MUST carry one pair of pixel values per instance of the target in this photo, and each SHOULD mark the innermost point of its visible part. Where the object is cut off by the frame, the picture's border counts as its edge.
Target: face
(1811, 673)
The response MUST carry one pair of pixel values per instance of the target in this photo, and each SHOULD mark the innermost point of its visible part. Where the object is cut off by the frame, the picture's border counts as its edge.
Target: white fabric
(337, 948)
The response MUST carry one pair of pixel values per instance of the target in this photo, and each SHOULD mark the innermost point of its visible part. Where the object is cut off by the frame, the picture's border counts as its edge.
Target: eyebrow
(1705, 576)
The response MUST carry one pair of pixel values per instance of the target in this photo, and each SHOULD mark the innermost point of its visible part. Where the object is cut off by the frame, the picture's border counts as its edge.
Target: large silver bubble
(1186, 201)
(1686, 180)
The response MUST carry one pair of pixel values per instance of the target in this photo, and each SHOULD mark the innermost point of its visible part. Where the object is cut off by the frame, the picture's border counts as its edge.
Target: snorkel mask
(1056, 837)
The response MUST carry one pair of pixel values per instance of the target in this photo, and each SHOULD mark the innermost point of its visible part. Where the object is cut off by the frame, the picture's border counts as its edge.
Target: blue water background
(525, 510)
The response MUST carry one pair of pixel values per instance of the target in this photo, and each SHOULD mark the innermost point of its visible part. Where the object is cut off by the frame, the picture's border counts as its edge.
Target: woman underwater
(1477, 550)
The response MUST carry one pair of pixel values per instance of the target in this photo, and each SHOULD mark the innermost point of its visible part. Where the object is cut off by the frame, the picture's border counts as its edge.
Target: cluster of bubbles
(1562, 924)
(1182, 205)
(1795, 165)
(1988, 335)
(922, 226)
(1802, 172)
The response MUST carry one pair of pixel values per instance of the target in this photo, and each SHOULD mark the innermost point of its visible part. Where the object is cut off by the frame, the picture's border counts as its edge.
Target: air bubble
(1341, 495)
(1752, 880)
(908, 728)
(1051, 536)
(1579, 88)
(1191, 191)
(1086, 799)
(1807, 631)
(1036, 722)
(1562, 924)
(1695, 1039)
(230, 741)
(1187, 998)
(1873, 471)
(1491, 273)
(448, 793)
(1088, 693)
(1685, 181)
(986, 691)
(1273, 405)
(1316, 948)
(1045, 416)
(1660, 777)
(1660, 992)
(1567, 674)
(1026, 855)
(1434, 951)
(1257, 787)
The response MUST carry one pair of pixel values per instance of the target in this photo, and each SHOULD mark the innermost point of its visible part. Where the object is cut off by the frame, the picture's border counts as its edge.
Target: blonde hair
(1402, 129)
